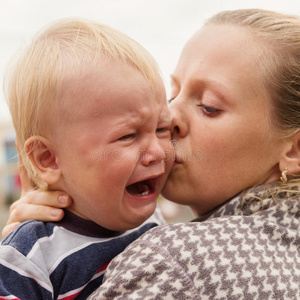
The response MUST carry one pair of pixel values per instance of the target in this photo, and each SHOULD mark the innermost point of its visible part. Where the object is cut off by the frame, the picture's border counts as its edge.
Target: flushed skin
(130, 141)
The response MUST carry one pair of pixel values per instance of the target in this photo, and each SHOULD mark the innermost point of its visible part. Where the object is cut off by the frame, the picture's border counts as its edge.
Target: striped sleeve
(20, 278)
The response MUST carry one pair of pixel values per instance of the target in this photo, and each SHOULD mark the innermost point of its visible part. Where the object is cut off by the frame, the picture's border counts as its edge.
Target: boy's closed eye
(126, 137)
(163, 131)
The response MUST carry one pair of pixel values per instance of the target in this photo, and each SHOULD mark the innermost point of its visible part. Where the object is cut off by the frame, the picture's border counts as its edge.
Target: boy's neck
(82, 226)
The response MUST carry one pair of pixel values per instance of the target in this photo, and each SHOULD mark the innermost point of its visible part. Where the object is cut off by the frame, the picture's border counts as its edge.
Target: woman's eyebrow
(219, 88)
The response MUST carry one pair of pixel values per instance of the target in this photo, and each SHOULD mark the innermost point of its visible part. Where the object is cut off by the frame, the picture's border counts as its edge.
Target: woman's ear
(291, 156)
(43, 159)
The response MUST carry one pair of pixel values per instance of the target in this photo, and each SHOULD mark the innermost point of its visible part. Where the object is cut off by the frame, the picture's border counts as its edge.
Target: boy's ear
(43, 159)
(291, 156)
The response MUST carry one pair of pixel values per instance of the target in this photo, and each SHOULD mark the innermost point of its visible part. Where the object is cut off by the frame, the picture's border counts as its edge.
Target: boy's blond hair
(63, 51)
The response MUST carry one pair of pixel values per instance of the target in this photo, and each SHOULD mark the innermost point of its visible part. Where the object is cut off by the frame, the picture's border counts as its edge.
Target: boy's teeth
(139, 189)
(146, 190)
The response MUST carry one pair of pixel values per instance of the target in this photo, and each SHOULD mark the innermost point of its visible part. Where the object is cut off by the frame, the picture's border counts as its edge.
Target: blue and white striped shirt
(64, 260)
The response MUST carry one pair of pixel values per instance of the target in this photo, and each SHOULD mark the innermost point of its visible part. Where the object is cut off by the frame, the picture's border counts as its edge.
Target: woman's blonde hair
(279, 36)
(60, 53)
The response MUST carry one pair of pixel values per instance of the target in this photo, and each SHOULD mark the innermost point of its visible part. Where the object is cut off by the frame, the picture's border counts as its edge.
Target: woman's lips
(177, 160)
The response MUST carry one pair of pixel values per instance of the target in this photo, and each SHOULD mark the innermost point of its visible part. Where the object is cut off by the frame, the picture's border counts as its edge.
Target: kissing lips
(142, 188)
(178, 160)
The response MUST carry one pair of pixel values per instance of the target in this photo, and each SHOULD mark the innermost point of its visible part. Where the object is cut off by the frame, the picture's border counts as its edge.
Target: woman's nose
(179, 127)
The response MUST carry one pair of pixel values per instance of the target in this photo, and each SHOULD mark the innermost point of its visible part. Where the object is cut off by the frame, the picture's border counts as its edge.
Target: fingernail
(62, 199)
(56, 212)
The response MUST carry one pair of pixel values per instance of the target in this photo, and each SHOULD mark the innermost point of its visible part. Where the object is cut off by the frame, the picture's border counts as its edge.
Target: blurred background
(161, 26)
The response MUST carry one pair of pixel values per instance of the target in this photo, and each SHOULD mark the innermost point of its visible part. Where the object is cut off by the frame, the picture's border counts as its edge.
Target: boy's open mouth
(142, 188)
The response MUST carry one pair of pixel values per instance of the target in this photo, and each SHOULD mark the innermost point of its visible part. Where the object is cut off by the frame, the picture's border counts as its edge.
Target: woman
(236, 126)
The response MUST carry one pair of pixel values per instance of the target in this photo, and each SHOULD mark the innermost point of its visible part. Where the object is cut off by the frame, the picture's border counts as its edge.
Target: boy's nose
(155, 153)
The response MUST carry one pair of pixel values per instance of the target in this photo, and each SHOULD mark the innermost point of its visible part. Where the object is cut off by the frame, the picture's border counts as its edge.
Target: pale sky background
(161, 26)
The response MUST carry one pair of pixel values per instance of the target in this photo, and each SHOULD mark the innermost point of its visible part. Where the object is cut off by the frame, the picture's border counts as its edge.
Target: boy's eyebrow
(125, 123)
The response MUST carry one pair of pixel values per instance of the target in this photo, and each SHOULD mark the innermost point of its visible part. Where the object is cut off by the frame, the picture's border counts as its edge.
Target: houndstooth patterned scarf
(246, 249)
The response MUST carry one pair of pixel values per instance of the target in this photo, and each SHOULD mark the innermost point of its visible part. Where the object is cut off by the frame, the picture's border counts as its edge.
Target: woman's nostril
(175, 129)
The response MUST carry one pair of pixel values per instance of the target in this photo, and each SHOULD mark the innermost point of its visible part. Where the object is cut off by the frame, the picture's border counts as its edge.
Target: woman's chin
(170, 192)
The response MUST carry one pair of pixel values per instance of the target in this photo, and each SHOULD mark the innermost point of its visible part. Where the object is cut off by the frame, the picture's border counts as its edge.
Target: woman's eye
(209, 111)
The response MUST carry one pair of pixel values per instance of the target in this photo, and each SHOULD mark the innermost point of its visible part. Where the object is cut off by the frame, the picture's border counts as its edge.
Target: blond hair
(62, 51)
(279, 37)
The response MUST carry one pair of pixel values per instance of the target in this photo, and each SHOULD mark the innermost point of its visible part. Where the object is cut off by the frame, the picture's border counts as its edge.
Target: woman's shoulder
(223, 256)
(279, 222)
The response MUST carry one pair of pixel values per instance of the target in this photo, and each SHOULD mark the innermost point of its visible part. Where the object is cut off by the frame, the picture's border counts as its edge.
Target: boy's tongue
(139, 189)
